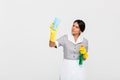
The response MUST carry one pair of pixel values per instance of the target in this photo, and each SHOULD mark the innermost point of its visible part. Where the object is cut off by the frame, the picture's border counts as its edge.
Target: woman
(71, 69)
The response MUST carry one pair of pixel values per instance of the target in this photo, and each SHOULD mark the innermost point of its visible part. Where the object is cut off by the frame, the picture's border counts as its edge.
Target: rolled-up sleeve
(61, 41)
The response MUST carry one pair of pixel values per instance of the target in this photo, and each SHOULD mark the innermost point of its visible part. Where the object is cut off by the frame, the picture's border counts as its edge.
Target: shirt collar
(71, 38)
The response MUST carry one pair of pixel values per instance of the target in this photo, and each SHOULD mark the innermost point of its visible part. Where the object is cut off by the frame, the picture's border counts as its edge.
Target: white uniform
(70, 68)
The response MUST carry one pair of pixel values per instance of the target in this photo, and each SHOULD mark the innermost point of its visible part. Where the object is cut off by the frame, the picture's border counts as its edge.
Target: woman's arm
(52, 44)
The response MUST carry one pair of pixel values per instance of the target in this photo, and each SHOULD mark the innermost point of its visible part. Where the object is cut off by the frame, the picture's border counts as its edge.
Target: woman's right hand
(52, 36)
(53, 33)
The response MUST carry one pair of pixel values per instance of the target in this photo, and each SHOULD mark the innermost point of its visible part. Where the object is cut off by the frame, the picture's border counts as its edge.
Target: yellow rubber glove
(85, 56)
(83, 51)
(53, 33)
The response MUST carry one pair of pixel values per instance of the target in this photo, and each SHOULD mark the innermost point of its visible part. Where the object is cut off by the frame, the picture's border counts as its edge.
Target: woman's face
(75, 29)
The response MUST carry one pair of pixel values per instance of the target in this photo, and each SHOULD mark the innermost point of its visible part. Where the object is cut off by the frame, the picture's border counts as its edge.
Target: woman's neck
(76, 37)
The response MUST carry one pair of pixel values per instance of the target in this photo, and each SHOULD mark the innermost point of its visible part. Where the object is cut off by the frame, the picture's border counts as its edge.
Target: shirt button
(74, 52)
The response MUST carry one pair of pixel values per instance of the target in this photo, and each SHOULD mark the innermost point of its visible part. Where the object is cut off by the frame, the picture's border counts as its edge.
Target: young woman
(71, 69)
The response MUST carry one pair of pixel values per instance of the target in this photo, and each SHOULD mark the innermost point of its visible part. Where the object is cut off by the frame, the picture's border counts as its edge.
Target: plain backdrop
(24, 37)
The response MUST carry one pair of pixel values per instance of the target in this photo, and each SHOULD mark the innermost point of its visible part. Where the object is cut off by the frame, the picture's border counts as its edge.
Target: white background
(24, 37)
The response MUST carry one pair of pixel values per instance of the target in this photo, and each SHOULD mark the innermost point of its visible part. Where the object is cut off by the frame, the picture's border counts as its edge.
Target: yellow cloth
(83, 51)
(53, 33)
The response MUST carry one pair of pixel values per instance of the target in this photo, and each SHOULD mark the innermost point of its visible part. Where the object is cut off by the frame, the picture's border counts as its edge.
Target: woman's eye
(77, 27)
